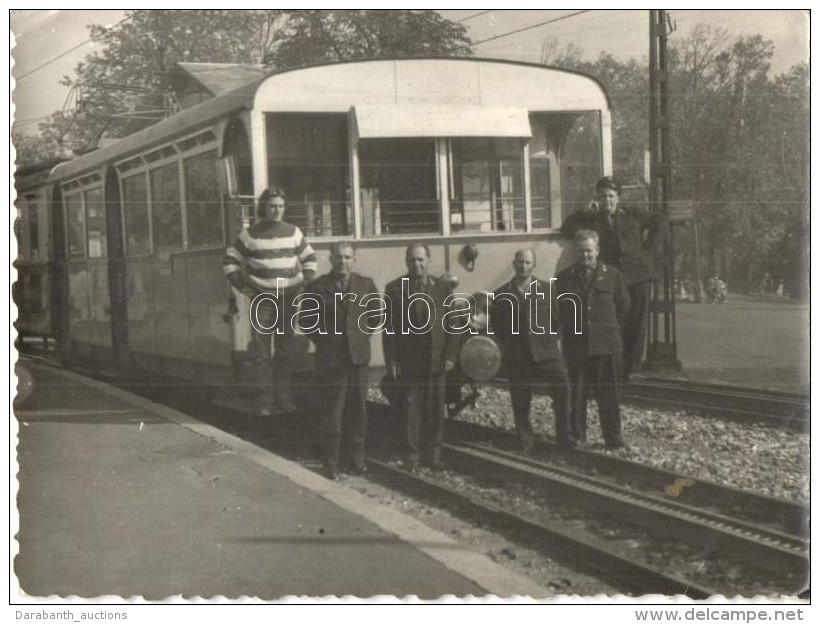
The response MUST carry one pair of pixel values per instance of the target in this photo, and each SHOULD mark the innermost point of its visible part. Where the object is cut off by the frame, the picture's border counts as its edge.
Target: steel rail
(788, 516)
(740, 404)
(566, 542)
(760, 546)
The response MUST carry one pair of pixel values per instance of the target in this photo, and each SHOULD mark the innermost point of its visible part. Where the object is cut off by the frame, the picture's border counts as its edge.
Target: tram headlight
(469, 254)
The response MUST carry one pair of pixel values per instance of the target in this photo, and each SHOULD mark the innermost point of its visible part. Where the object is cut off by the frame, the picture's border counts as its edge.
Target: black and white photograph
(433, 306)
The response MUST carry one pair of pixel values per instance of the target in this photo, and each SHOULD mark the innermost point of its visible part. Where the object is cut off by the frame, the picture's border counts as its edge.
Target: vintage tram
(464, 154)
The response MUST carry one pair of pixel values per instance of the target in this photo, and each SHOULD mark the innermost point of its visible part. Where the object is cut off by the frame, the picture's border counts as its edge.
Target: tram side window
(580, 162)
(398, 186)
(33, 230)
(166, 212)
(95, 223)
(203, 206)
(488, 185)
(76, 226)
(135, 202)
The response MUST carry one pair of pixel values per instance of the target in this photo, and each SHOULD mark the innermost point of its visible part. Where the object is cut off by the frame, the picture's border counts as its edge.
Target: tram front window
(308, 157)
(488, 185)
(398, 186)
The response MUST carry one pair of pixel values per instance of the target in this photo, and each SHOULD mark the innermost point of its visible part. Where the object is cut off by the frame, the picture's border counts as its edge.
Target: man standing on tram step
(591, 337)
(621, 229)
(271, 258)
(419, 352)
(342, 357)
(522, 315)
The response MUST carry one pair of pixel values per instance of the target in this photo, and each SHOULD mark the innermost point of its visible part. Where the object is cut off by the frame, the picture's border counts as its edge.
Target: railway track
(771, 559)
(778, 409)
(561, 539)
(765, 535)
(768, 537)
(776, 550)
(778, 514)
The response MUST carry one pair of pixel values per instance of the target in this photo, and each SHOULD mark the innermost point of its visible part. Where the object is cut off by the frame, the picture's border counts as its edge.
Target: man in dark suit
(593, 300)
(521, 318)
(419, 352)
(342, 356)
(621, 230)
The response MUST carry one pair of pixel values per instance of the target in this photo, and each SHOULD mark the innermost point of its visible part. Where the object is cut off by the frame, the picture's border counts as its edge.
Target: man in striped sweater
(271, 258)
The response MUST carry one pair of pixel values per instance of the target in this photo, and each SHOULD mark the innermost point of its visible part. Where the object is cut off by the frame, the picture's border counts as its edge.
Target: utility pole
(661, 350)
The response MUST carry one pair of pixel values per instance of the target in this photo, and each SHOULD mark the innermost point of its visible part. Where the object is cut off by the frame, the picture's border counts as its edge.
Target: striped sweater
(270, 251)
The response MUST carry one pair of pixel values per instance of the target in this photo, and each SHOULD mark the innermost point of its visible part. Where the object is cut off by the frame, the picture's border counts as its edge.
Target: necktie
(418, 308)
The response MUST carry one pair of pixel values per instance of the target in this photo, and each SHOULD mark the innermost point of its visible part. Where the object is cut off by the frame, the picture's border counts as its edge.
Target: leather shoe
(331, 472)
(357, 469)
(434, 465)
(287, 405)
(528, 447)
(409, 465)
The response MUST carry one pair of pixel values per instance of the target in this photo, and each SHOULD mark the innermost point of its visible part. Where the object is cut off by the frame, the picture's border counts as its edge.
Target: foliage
(122, 87)
(740, 152)
(319, 36)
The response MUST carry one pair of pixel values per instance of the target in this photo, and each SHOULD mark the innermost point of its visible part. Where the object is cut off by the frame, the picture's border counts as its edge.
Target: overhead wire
(531, 27)
(67, 52)
(469, 17)
(586, 26)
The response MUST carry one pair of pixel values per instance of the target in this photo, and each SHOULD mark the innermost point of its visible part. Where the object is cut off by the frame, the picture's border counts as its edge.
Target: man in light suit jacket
(342, 358)
(419, 352)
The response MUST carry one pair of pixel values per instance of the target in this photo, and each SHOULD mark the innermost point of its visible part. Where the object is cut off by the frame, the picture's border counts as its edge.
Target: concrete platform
(120, 496)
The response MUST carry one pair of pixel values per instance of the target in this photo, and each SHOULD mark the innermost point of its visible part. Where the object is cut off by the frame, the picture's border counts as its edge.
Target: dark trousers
(597, 376)
(523, 375)
(634, 329)
(343, 421)
(272, 351)
(424, 422)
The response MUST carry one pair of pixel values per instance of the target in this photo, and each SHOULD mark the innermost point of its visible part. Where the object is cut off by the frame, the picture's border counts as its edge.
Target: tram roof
(244, 97)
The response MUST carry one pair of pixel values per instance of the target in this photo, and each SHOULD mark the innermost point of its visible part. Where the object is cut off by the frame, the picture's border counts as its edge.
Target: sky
(48, 44)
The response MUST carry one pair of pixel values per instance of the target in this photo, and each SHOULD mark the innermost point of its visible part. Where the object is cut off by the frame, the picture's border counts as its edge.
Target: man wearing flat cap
(630, 237)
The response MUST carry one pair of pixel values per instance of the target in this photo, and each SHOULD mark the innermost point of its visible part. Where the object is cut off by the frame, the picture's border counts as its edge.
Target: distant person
(272, 257)
(342, 358)
(520, 309)
(419, 353)
(717, 291)
(621, 231)
(766, 283)
(593, 350)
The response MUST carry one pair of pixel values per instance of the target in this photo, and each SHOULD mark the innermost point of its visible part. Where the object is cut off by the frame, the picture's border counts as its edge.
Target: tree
(740, 150)
(122, 87)
(49, 144)
(320, 36)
